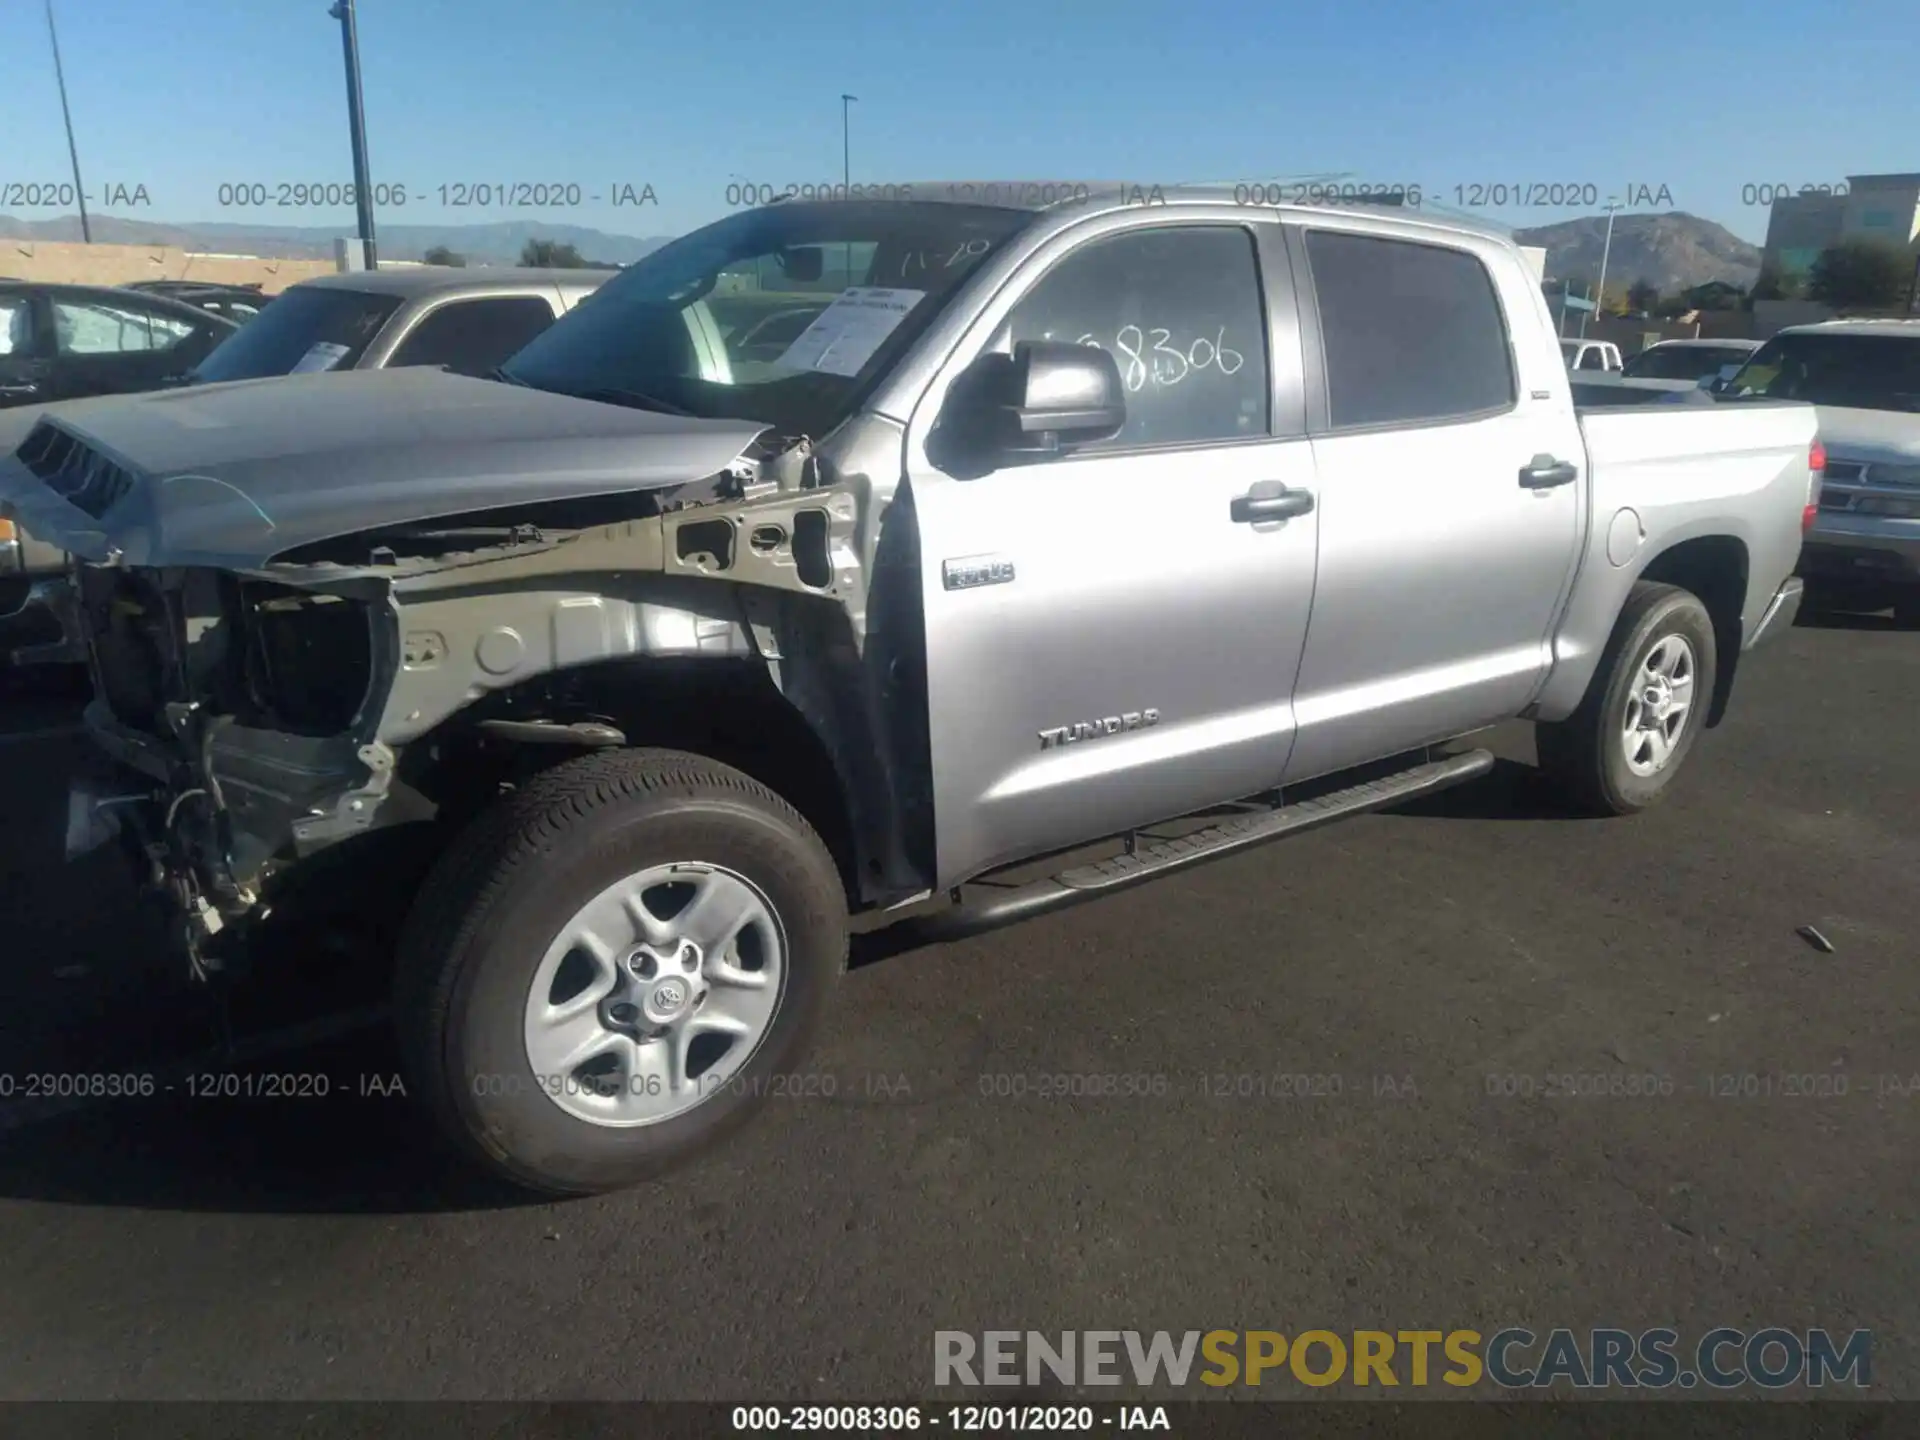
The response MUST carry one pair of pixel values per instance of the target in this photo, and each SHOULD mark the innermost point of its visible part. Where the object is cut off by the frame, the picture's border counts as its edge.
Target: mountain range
(1675, 251)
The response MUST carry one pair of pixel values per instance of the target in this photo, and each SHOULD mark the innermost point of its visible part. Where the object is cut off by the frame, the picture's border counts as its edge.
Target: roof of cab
(1041, 197)
(413, 281)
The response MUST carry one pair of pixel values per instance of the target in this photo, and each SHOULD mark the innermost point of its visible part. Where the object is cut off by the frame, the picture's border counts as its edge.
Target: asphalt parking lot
(179, 1247)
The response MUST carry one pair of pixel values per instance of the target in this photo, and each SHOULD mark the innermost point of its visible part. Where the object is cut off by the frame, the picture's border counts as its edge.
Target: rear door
(113, 346)
(26, 349)
(1107, 644)
(1451, 474)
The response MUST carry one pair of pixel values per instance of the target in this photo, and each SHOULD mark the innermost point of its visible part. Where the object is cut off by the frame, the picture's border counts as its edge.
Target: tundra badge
(970, 572)
(1094, 729)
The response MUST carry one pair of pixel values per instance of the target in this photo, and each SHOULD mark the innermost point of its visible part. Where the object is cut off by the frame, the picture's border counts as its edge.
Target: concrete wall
(78, 264)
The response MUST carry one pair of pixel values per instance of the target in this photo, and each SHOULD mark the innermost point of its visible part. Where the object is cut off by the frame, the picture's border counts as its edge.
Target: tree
(1642, 296)
(1776, 284)
(1861, 274)
(441, 255)
(551, 255)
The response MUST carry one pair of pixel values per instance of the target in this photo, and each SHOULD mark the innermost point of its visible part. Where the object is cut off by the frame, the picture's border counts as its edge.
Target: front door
(1107, 644)
(105, 347)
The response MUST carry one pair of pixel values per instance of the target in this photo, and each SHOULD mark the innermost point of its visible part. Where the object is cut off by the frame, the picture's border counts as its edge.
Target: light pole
(846, 143)
(342, 10)
(73, 151)
(846, 173)
(1606, 250)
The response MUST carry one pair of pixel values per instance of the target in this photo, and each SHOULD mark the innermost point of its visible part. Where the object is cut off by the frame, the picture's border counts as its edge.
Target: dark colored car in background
(67, 342)
(238, 303)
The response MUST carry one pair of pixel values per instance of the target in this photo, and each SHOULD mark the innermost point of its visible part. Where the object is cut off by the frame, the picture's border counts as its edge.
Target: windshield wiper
(499, 372)
(637, 399)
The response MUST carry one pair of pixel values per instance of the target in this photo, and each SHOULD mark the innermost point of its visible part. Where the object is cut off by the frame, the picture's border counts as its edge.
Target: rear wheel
(1619, 752)
(604, 974)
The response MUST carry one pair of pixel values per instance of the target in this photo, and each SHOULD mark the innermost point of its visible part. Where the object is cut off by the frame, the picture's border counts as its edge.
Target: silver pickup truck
(838, 559)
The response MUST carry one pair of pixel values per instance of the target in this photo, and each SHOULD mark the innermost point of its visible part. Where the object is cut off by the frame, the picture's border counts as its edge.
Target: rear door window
(88, 328)
(1412, 332)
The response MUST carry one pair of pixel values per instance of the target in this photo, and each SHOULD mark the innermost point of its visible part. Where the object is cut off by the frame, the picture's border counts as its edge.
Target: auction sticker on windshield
(843, 337)
(323, 355)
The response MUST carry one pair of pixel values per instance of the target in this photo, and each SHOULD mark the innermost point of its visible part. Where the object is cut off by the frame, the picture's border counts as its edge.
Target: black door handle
(1248, 509)
(1543, 472)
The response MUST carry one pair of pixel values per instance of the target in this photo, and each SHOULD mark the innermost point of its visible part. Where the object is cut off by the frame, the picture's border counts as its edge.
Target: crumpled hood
(1885, 437)
(232, 475)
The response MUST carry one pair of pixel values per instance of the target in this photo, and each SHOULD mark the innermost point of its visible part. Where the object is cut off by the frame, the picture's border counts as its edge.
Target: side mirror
(1046, 397)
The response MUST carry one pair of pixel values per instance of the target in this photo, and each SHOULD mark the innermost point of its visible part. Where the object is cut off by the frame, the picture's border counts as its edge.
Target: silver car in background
(463, 320)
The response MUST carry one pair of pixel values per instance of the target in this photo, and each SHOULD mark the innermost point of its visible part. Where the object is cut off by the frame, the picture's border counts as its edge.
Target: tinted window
(313, 328)
(473, 336)
(1180, 311)
(1410, 331)
(1864, 372)
(1594, 359)
(92, 328)
(785, 315)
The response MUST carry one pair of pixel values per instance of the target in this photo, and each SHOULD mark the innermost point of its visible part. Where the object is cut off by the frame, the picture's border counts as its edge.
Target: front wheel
(1619, 752)
(614, 965)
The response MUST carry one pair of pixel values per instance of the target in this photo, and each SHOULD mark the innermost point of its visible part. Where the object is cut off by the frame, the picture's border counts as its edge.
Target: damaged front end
(237, 723)
(302, 629)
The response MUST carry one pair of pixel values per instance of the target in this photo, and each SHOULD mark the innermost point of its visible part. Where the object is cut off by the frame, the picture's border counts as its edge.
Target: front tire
(608, 970)
(1619, 752)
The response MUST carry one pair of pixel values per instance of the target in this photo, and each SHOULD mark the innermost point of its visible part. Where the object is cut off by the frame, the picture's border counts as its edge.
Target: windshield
(1682, 362)
(785, 315)
(306, 328)
(1862, 372)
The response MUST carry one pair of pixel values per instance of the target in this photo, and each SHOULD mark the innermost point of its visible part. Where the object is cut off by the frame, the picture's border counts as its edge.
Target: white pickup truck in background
(1591, 356)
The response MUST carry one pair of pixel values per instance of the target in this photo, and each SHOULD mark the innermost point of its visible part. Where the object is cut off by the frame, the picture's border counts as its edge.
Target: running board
(1162, 857)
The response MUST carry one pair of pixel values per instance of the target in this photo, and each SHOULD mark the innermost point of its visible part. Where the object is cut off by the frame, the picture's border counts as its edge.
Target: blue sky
(689, 97)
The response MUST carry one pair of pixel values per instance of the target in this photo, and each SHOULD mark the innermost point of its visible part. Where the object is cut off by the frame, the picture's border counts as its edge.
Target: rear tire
(536, 892)
(1619, 752)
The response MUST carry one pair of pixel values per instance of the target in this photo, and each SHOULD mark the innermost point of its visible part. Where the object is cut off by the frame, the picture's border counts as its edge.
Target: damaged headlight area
(236, 718)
